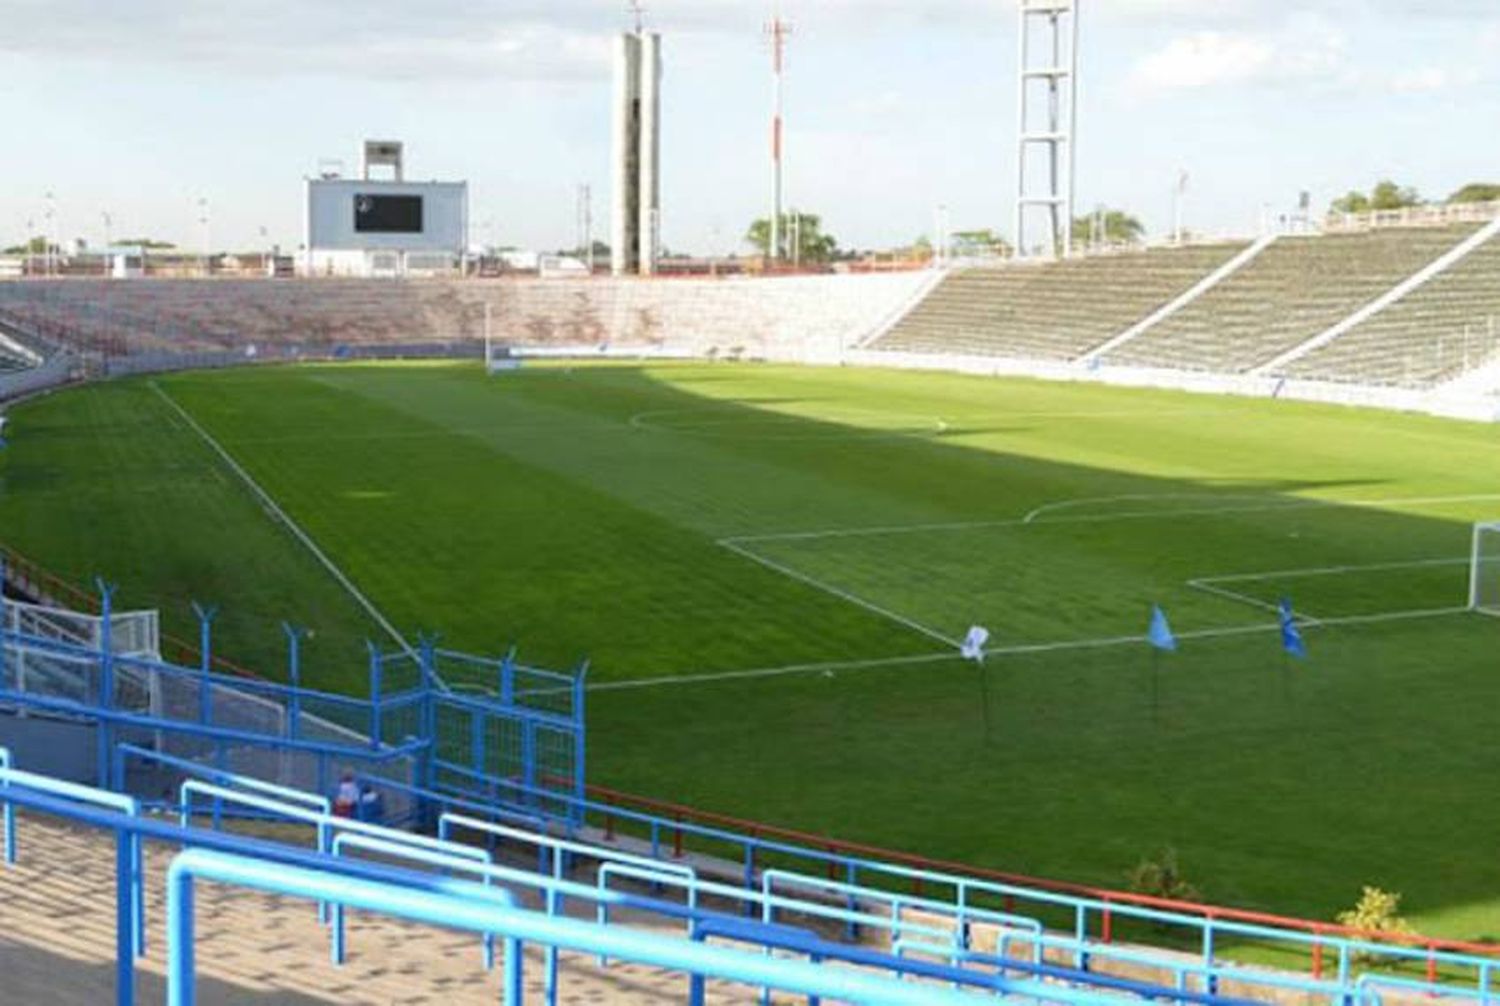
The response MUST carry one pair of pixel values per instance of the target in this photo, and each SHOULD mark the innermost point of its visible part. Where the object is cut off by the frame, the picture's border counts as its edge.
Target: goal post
(1484, 569)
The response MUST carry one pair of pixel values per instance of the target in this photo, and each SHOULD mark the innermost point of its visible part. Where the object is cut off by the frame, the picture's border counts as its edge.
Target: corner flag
(972, 647)
(1160, 633)
(1291, 636)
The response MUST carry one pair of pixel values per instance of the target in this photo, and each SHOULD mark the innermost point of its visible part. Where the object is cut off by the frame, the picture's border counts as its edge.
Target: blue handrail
(1083, 908)
(559, 847)
(459, 857)
(9, 812)
(134, 880)
(461, 905)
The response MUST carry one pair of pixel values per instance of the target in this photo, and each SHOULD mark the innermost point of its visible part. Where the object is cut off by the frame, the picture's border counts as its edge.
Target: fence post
(376, 667)
(580, 744)
(508, 677)
(205, 661)
(427, 660)
(294, 678)
(104, 729)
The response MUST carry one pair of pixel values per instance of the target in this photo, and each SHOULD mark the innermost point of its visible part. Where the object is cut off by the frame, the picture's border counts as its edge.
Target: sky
(161, 112)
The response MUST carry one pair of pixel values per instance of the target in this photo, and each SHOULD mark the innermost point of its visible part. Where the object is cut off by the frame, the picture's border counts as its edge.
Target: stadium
(1080, 621)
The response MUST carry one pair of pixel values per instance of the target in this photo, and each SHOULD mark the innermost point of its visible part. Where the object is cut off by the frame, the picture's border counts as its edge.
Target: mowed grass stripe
(457, 538)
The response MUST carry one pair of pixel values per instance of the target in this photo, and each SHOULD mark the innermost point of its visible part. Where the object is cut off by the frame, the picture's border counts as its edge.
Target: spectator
(346, 800)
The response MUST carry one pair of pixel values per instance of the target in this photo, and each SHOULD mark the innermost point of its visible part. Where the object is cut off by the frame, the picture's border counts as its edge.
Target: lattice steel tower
(1046, 124)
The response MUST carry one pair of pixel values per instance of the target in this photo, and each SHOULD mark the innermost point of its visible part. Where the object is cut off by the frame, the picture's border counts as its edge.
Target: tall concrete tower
(635, 154)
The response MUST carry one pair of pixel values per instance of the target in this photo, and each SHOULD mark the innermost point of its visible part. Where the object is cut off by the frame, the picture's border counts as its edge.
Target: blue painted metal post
(205, 661)
(294, 678)
(126, 917)
(508, 678)
(104, 730)
(376, 662)
(428, 658)
(580, 746)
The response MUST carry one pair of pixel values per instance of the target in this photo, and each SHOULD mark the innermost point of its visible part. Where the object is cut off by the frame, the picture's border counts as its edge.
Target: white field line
(1207, 587)
(1157, 514)
(1330, 570)
(1211, 584)
(281, 515)
(712, 677)
(843, 595)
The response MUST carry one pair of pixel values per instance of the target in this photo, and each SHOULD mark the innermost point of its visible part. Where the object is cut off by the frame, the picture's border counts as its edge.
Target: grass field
(769, 568)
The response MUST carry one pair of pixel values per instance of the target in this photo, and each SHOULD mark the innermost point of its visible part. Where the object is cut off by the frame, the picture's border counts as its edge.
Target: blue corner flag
(1160, 634)
(1291, 637)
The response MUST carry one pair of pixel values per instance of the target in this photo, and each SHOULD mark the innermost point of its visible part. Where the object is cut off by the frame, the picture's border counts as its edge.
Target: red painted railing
(682, 813)
(40, 582)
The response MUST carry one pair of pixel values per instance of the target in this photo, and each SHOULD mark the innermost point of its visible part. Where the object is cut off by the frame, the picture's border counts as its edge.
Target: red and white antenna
(777, 30)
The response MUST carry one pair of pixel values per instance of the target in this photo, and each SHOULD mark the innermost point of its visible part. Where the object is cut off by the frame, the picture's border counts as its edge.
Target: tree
(1119, 228)
(813, 246)
(36, 246)
(1351, 202)
(1386, 195)
(1477, 192)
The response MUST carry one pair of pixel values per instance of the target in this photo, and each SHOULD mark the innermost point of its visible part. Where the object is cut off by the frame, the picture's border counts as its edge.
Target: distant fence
(499, 724)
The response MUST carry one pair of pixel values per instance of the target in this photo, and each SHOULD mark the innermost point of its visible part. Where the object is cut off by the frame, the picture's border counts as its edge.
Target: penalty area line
(277, 513)
(842, 595)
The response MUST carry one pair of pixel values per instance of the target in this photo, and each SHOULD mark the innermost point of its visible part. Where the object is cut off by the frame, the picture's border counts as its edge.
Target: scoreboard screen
(387, 214)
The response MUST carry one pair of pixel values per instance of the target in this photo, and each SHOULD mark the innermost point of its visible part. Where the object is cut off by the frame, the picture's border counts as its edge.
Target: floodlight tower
(777, 31)
(636, 150)
(1047, 119)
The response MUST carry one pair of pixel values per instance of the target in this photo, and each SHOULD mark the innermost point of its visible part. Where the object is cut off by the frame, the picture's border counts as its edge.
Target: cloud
(1202, 59)
(1421, 80)
(1306, 50)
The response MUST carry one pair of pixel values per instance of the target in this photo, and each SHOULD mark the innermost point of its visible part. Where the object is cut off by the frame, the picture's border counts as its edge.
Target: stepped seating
(1054, 310)
(736, 315)
(1295, 289)
(1436, 332)
(57, 944)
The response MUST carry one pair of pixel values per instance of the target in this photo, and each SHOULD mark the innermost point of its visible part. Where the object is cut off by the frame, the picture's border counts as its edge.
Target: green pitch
(770, 568)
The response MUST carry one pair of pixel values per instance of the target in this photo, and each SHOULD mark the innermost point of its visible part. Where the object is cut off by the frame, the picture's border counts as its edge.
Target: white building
(384, 227)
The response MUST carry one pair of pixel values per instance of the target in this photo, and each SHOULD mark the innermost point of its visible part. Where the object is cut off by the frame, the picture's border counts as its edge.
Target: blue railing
(909, 936)
(7, 811)
(456, 904)
(1209, 933)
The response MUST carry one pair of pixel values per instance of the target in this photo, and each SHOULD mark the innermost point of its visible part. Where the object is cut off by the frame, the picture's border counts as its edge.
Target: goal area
(1484, 570)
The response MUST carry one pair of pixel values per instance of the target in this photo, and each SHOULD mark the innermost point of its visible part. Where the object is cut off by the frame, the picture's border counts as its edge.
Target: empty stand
(1055, 310)
(1295, 289)
(1438, 331)
(729, 316)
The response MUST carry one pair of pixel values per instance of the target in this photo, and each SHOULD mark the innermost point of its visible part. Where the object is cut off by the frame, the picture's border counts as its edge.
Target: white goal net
(1484, 569)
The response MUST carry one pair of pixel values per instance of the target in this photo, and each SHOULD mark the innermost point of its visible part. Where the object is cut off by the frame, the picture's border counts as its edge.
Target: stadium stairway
(1054, 310)
(57, 944)
(1295, 289)
(1434, 334)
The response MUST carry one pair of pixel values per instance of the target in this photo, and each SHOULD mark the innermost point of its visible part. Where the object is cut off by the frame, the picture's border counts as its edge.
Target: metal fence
(526, 728)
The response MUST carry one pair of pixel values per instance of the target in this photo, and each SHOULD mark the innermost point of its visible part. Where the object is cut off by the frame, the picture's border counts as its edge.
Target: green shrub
(1161, 877)
(1375, 914)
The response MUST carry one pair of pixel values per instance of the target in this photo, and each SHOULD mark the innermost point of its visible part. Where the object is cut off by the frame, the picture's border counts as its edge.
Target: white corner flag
(973, 644)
